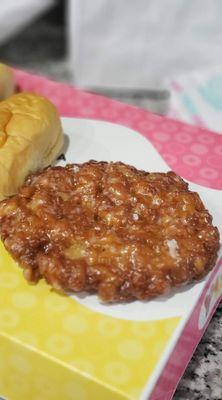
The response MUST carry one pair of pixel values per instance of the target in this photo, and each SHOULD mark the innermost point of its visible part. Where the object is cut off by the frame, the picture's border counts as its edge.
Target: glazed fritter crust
(109, 228)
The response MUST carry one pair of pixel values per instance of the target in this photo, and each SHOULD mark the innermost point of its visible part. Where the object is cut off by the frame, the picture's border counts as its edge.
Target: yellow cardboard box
(52, 347)
(55, 346)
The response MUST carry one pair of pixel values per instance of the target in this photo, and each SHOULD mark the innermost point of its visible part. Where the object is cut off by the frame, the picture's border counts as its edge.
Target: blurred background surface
(97, 45)
(129, 51)
(45, 42)
(39, 43)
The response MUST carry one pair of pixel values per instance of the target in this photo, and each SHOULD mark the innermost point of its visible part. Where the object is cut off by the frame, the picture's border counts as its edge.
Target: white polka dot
(8, 318)
(83, 365)
(215, 161)
(161, 136)
(27, 338)
(183, 137)
(169, 158)
(56, 303)
(20, 363)
(59, 344)
(143, 331)
(208, 173)
(190, 128)
(74, 391)
(206, 138)
(24, 299)
(117, 372)
(9, 280)
(169, 127)
(76, 324)
(131, 349)
(146, 125)
(109, 327)
(176, 148)
(199, 149)
(191, 160)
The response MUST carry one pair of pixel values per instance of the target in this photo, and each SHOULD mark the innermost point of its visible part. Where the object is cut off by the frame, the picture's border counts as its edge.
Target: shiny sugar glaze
(109, 228)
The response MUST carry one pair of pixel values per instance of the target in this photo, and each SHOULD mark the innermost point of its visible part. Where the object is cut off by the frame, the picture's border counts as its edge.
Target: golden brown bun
(6, 82)
(31, 138)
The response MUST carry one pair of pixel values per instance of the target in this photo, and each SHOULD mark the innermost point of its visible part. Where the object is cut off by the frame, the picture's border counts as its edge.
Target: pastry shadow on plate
(160, 299)
(62, 154)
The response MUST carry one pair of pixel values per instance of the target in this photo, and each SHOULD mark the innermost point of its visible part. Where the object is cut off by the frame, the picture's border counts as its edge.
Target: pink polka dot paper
(192, 152)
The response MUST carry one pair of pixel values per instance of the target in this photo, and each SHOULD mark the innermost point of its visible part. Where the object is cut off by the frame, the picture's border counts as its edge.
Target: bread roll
(6, 82)
(31, 138)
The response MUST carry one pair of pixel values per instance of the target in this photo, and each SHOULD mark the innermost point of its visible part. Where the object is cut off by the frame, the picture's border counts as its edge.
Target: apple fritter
(109, 228)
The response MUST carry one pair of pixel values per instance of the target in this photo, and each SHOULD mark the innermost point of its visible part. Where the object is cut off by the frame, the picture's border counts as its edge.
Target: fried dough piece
(109, 228)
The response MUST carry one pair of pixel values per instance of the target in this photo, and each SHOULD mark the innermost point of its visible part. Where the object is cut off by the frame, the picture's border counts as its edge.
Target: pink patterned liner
(188, 340)
(192, 152)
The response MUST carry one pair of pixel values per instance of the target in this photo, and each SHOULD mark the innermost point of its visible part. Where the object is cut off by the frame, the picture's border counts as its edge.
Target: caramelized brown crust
(109, 228)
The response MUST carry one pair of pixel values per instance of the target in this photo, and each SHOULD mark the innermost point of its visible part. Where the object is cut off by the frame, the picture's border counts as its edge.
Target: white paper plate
(105, 141)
